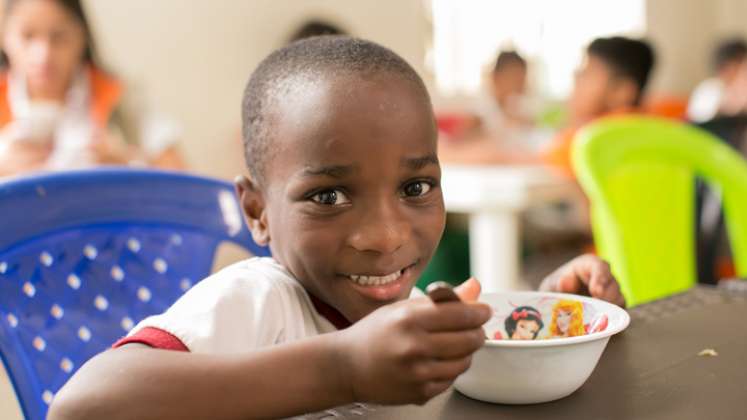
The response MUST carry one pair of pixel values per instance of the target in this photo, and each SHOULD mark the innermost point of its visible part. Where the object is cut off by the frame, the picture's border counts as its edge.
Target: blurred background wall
(193, 58)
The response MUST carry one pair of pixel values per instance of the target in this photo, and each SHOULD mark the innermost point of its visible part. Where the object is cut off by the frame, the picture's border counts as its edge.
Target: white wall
(192, 58)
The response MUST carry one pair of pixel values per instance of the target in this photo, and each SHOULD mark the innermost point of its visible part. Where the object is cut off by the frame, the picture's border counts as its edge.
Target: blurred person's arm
(110, 149)
(171, 159)
(19, 155)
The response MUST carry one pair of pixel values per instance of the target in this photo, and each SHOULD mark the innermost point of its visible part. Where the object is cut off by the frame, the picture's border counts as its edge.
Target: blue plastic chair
(86, 255)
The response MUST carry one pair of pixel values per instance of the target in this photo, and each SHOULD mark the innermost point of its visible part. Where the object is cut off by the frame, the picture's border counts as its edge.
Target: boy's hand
(586, 274)
(411, 351)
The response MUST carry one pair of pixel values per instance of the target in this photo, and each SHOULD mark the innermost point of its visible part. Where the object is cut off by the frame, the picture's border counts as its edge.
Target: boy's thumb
(469, 291)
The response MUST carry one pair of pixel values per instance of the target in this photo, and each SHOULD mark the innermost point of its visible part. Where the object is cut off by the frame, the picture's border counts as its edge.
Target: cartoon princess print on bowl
(523, 323)
(567, 319)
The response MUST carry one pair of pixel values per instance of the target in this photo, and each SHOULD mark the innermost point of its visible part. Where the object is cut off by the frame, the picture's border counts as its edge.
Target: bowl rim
(607, 307)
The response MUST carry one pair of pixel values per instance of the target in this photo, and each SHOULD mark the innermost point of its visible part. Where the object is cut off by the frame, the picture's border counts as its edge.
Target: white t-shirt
(511, 136)
(249, 305)
(705, 100)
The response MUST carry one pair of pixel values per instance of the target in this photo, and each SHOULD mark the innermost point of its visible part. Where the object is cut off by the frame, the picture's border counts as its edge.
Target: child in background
(59, 109)
(500, 127)
(611, 80)
(503, 108)
(726, 92)
(343, 187)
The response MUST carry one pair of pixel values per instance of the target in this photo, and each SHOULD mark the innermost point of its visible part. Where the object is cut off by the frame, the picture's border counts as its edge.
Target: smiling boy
(343, 187)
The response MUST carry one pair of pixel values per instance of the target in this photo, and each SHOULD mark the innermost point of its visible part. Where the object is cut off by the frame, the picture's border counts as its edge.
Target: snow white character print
(523, 323)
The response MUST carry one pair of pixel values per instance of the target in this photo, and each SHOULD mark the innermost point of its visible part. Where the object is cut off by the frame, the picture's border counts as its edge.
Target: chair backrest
(85, 255)
(639, 174)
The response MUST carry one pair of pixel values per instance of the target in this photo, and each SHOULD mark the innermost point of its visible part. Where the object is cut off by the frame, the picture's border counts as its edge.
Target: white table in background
(494, 197)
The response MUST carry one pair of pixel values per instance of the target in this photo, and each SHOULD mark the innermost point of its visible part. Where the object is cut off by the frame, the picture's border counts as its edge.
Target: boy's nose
(383, 231)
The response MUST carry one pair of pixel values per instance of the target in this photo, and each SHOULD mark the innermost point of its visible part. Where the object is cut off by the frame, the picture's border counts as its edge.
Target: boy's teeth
(375, 280)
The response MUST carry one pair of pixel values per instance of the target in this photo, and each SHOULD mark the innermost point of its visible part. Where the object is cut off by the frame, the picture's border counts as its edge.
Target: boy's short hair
(630, 58)
(506, 58)
(728, 51)
(283, 74)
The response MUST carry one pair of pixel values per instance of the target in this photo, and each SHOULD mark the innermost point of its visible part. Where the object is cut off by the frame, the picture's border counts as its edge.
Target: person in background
(725, 93)
(503, 109)
(58, 108)
(500, 127)
(316, 27)
(612, 79)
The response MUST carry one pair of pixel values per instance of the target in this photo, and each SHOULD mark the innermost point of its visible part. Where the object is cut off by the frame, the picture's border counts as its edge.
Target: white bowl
(514, 371)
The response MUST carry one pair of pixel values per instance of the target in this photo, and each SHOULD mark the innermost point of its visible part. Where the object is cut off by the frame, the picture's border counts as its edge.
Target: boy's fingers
(434, 388)
(442, 370)
(450, 345)
(613, 294)
(568, 283)
(452, 316)
(469, 291)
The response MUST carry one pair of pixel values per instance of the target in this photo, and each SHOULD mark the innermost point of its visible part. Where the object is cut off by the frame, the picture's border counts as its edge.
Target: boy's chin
(366, 305)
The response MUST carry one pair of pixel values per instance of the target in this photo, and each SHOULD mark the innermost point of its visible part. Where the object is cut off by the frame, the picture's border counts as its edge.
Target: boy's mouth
(370, 280)
(382, 287)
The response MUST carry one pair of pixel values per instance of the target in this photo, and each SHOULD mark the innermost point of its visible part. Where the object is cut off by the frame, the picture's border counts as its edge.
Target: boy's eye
(416, 189)
(330, 198)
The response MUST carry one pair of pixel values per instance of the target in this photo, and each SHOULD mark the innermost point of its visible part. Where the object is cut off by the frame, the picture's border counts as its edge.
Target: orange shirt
(106, 92)
(558, 153)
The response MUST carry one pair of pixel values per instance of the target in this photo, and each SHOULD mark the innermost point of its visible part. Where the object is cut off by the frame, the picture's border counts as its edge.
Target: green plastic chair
(639, 174)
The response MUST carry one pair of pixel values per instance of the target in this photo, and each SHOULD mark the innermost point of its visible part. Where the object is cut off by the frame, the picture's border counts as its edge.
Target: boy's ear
(253, 204)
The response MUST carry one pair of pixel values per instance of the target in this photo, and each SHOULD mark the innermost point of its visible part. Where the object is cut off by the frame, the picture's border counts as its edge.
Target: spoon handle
(441, 291)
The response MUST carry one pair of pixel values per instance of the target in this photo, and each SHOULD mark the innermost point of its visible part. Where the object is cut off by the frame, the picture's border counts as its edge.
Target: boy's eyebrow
(340, 171)
(420, 162)
(334, 171)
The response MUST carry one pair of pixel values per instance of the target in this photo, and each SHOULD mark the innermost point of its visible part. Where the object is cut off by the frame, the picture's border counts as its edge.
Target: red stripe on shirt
(154, 337)
(331, 314)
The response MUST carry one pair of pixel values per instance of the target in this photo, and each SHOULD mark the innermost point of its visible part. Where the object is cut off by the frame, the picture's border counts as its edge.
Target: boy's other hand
(586, 275)
(411, 351)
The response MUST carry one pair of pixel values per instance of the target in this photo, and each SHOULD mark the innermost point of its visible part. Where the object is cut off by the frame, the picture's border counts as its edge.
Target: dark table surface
(650, 371)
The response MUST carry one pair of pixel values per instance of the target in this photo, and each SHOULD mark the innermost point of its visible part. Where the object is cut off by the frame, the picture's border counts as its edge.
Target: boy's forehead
(344, 114)
(329, 106)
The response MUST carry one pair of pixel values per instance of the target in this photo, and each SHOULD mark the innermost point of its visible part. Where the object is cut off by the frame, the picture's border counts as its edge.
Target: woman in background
(58, 108)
